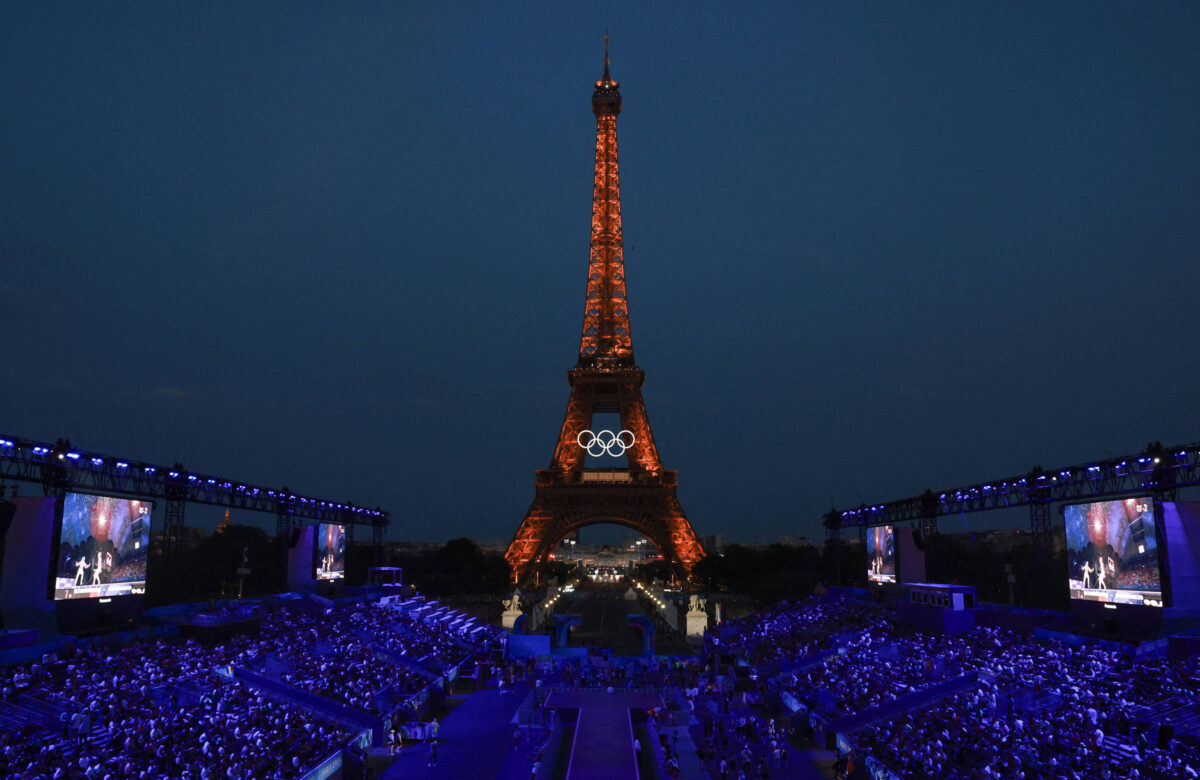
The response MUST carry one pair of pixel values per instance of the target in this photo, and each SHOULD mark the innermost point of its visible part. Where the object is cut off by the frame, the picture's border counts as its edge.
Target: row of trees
(461, 567)
(209, 570)
(783, 572)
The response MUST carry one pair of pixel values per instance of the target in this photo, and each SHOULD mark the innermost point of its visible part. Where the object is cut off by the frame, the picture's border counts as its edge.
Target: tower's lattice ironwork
(607, 380)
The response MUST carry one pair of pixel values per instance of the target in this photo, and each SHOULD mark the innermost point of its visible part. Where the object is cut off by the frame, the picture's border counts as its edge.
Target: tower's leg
(568, 455)
(688, 551)
(527, 543)
(633, 418)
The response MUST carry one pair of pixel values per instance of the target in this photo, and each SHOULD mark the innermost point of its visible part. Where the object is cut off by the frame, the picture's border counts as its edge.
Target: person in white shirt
(80, 565)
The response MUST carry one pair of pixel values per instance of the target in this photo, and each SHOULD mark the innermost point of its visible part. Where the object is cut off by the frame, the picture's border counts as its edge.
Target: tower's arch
(571, 528)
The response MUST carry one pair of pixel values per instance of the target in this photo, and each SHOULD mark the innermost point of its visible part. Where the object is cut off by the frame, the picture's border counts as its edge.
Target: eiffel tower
(570, 495)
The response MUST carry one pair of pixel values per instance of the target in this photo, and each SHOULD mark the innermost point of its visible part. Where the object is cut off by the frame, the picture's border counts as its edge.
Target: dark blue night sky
(871, 248)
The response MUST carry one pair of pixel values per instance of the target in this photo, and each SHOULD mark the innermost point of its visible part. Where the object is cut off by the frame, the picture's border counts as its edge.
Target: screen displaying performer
(1112, 552)
(103, 547)
(330, 551)
(881, 554)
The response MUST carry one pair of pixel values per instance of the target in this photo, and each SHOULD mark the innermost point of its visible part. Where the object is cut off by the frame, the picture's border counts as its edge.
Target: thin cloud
(171, 392)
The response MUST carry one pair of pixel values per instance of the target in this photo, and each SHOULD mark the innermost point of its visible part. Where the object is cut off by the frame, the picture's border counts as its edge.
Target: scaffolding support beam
(59, 467)
(1040, 528)
(1158, 470)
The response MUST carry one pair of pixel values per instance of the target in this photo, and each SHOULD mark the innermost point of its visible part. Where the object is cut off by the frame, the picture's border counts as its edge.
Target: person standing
(432, 753)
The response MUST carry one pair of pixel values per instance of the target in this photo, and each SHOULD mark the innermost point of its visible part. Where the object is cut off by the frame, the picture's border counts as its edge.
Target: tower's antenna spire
(606, 37)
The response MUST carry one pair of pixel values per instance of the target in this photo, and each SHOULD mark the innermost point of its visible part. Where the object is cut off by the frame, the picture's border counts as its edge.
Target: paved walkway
(603, 735)
(685, 748)
(474, 741)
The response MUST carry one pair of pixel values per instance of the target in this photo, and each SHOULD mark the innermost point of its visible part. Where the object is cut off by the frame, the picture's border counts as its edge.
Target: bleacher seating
(1023, 706)
(170, 708)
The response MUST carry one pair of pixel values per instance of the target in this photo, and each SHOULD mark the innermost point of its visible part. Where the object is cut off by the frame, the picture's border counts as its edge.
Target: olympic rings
(605, 442)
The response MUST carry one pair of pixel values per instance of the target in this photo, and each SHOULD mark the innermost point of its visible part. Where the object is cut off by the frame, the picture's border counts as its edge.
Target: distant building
(712, 543)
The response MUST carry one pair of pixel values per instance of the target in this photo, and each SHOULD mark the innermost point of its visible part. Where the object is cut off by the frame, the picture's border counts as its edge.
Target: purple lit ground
(603, 738)
(476, 741)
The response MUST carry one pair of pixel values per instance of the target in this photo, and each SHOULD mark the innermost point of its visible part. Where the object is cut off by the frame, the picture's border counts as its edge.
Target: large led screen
(881, 554)
(103, 547)
(1112, 552)
(330, 551)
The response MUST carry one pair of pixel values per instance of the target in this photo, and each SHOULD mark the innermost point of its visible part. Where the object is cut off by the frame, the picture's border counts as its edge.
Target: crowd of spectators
(798, 630)
(734, 741)
(121, 716)
(861, 677)
(151, 709)
(1020, 707)
(1042, 709)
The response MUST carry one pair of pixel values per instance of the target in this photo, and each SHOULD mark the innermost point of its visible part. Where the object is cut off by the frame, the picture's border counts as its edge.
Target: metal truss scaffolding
(60, 466)
(1158, 471)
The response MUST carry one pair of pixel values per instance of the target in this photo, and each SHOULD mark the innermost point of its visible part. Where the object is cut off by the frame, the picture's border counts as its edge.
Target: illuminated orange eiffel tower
(606, 379)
